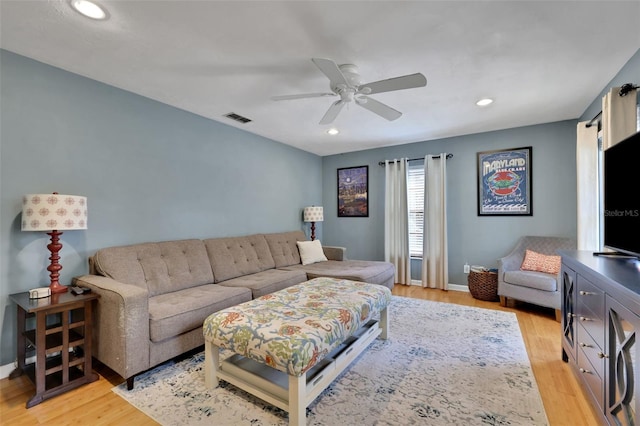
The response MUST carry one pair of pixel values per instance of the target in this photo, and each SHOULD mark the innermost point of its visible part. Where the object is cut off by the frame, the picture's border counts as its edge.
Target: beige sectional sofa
(155, 296)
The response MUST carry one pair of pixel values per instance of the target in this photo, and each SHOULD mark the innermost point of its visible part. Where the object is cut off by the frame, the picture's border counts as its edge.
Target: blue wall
(150, 172)
(473, 239)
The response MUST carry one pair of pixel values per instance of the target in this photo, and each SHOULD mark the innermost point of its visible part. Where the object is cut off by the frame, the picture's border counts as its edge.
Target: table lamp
(54, 213)
(313, 214)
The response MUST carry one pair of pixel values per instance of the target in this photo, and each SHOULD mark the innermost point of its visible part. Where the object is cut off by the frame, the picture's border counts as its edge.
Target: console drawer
(587, 347)
(590, 296)
(591, 377)
(590, 323)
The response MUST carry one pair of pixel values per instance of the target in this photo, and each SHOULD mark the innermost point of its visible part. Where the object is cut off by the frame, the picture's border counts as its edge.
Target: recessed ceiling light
(333, 131)
(484, 102)
(89, 9)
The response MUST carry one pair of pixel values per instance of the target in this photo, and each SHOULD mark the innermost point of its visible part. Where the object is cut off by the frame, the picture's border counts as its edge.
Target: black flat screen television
(622, 196)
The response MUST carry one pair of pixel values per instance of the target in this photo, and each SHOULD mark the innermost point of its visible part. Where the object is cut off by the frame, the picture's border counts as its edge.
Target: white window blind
(415, 196)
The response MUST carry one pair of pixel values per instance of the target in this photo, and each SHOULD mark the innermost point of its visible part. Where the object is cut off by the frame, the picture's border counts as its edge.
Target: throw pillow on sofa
(311, 252)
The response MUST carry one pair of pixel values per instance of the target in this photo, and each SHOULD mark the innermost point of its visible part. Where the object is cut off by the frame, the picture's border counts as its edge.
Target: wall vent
(238, 118)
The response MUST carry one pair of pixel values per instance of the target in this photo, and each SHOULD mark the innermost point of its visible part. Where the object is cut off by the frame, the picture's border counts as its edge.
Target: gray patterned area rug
(443, 364)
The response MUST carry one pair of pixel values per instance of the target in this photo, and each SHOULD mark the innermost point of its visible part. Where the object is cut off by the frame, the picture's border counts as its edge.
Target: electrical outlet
(467, 269)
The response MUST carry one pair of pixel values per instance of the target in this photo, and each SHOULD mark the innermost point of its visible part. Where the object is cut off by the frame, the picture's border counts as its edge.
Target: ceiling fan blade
(398, 83)
(301, 96)
(332, 112)
(331, 70)
(384, 111)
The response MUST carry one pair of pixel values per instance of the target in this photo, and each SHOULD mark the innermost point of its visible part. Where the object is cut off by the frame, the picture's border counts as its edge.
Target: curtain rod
(381, 163)
(594, 120)
(624, 89)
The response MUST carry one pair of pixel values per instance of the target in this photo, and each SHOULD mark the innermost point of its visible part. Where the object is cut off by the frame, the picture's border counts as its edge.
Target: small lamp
(54, 213)
(313, 214)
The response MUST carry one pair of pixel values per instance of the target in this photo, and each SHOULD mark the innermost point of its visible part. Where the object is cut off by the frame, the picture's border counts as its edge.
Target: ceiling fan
(344, 81)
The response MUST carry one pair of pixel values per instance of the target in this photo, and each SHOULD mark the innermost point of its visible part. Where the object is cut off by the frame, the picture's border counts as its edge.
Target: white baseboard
(458, 287)
(454, 287)
(5, 370)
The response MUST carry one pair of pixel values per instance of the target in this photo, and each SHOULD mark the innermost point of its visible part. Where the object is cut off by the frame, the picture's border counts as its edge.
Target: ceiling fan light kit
(345, 82)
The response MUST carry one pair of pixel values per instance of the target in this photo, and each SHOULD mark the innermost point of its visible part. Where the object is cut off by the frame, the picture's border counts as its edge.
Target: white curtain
(435, 263)
(619, 116)
(396, 219)
(587, 154)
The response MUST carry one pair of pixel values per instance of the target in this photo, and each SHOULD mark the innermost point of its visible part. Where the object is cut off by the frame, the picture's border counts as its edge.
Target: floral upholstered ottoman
(291, 344)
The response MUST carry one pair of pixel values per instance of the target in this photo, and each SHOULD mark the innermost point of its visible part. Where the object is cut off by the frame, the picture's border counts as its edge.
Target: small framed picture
(353, 192)
(504, 182)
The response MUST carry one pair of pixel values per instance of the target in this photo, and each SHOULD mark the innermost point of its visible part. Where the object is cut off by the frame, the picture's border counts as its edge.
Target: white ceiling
(542, 61)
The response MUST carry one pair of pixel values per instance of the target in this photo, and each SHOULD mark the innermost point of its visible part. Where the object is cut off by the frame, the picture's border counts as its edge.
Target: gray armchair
(538, 288)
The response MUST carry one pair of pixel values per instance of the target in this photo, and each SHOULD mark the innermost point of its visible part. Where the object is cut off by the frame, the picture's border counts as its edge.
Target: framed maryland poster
(504, 182)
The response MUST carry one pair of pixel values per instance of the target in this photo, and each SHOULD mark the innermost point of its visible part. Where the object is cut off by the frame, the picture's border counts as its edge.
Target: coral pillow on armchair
(539, 262)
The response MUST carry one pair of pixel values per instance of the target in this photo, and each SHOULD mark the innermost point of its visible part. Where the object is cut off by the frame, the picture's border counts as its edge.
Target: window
(415, 197)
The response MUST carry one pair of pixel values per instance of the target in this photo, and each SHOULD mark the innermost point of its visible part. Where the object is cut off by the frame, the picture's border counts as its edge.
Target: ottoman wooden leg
(384, 323)
(297, 400)
(211, 365)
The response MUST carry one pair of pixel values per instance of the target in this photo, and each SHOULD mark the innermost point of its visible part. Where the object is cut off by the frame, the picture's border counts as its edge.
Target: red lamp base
(54, 268)
(313, 231)
(57, 288)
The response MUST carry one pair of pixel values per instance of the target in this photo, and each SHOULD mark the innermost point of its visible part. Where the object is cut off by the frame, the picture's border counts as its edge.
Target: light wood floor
(95, 404)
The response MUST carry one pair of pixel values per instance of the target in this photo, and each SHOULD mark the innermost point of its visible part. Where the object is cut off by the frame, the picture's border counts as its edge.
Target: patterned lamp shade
(49, 212)
(313, 214)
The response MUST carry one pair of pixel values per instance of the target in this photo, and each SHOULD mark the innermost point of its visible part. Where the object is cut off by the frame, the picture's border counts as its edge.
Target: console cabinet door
(623, 357)
(569, 291)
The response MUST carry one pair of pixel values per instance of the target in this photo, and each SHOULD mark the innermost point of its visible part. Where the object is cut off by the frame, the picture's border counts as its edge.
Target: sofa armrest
(335, 253)
(120, 324)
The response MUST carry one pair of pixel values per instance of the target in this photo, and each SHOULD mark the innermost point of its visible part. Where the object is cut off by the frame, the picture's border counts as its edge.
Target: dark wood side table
(61, 341)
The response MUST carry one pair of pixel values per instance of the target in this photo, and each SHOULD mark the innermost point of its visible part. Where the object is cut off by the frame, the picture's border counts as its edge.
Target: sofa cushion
(172, 314)
(238, 256)
(159, 267)
(368, 271)
(268, 281)
(283, 247)
(531, 279)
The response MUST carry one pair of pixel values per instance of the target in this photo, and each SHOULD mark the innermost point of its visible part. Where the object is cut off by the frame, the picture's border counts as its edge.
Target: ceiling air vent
(238, 118)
